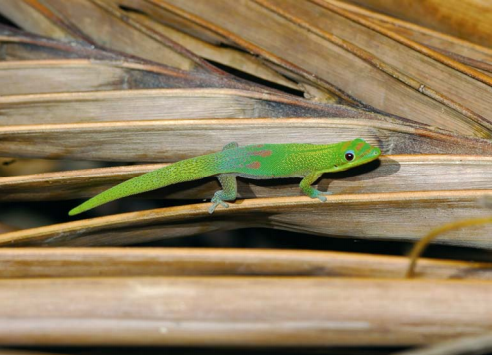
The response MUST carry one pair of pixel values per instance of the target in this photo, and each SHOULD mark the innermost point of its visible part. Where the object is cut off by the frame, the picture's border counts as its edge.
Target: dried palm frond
(93, 91)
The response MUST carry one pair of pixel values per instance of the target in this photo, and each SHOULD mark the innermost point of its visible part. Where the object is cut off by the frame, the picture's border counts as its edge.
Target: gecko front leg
(306, 187)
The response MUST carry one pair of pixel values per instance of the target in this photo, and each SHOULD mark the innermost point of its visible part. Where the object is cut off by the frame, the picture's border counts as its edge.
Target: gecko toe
(215, 203)
(224, 204)
(212, 208)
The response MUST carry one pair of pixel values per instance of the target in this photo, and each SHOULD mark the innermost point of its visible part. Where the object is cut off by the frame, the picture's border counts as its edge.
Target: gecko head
(355, 153)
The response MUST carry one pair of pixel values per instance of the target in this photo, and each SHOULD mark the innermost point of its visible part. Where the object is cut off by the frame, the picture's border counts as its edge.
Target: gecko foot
(215, 203)
(321, 195)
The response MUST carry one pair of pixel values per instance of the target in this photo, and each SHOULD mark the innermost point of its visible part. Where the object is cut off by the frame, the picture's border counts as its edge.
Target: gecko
(260, 161)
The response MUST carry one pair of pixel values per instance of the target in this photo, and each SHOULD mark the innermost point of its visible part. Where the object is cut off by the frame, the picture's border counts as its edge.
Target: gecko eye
(349, 155)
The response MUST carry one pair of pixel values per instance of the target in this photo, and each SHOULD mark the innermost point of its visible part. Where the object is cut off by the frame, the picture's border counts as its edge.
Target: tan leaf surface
(172, 140)
(206, 311)
(124, 262)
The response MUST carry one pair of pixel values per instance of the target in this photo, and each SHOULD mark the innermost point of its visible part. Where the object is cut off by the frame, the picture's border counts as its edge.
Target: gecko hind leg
(229, 186)
(306, 187)
(228, 192)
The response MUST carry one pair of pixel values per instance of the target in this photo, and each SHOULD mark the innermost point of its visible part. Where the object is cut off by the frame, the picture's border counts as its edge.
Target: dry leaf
(211, 311)
(124, 262)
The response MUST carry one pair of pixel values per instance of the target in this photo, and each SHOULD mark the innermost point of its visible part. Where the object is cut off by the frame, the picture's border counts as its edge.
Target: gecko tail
(185, 170)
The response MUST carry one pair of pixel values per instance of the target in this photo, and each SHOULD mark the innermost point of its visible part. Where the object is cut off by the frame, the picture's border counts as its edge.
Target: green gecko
(261, 161)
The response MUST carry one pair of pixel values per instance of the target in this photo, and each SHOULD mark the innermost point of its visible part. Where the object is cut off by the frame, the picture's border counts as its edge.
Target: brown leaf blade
(124, 262)
(160, 140)
(352, 215)
(201, 311)
(153, 104)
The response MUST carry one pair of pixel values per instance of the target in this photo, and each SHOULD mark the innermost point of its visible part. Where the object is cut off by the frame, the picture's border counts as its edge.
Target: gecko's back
(276, 160)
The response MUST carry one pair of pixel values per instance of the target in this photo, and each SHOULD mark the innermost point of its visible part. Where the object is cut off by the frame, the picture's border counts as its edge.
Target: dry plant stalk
(420, 246)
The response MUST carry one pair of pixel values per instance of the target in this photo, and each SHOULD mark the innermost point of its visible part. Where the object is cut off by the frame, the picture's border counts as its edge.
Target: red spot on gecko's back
(254, 165)
(259, 146)
(263, 153)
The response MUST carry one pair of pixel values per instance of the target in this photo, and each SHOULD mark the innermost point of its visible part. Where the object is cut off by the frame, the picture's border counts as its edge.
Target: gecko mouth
(373, 153)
